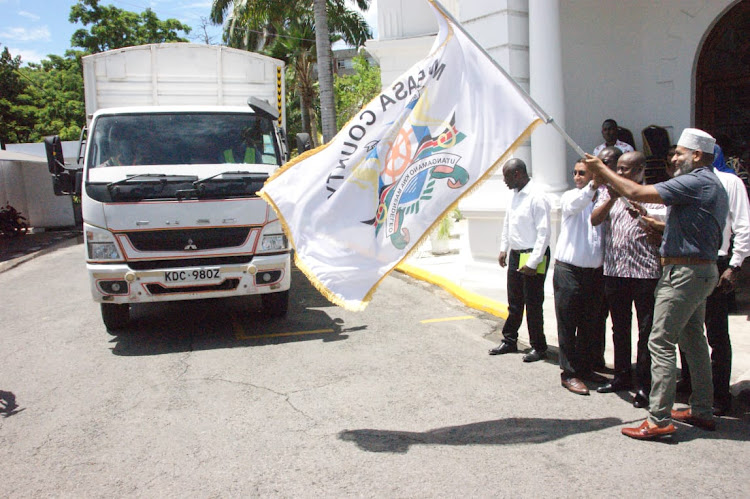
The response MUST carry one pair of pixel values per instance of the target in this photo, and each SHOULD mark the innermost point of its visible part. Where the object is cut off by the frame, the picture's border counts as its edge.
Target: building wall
(28, 187)
(645, 73)
(630, 60)
(633, 61)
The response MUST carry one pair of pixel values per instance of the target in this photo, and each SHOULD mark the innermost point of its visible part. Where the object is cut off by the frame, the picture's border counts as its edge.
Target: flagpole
(546, 117)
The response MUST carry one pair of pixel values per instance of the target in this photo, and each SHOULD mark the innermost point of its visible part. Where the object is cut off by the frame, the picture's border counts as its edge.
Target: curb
(469, 298)
(9, 264)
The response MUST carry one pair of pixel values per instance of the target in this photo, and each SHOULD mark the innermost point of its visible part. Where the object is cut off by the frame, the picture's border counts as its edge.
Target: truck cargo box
(169, 74)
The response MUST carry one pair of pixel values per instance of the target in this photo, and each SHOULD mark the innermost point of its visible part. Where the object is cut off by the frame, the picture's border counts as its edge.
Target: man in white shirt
(609, 132)
(524, 248)
(717, 304)
(577, 280)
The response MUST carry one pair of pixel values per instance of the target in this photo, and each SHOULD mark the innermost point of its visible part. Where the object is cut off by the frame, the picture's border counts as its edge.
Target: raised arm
(627, 188)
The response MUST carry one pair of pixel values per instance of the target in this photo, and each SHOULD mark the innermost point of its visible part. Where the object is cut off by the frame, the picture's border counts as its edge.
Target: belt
(684, 260)
(576, 267)
(523, 250)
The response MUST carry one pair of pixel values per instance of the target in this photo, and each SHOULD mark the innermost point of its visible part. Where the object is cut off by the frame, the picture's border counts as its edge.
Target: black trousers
(579, 293)
(525, 292)
(717, 333)
(621, 293)
(599, 342)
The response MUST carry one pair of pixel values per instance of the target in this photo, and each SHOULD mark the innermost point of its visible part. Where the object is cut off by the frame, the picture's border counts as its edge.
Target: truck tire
(115, 315)
(275, 304)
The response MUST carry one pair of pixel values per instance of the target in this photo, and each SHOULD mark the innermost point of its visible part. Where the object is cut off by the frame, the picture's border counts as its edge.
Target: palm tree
(325, 57)
(284, 29)
(297, 48)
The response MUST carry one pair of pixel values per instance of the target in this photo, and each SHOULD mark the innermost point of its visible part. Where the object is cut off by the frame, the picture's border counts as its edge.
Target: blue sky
(35, 28)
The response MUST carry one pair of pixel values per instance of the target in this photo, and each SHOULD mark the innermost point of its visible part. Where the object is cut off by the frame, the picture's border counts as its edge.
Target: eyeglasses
(579, 173)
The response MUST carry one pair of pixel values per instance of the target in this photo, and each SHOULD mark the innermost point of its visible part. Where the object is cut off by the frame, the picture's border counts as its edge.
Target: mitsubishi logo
(190, 245)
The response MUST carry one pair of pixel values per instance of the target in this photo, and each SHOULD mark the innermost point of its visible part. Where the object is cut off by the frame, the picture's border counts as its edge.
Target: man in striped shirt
(631, 272)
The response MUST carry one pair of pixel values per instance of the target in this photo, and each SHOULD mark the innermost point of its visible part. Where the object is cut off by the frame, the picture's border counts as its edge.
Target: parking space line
(448, 319)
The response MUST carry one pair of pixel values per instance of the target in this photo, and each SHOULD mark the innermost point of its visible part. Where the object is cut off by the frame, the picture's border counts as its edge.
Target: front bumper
(118, 283)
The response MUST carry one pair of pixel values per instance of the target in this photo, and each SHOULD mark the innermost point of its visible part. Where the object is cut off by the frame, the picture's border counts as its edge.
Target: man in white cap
(692, 238)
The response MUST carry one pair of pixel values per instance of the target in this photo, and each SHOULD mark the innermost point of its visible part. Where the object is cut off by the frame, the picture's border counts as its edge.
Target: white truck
(179, 139)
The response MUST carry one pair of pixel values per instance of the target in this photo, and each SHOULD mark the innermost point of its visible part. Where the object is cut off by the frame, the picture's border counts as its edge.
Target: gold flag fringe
(360, 305)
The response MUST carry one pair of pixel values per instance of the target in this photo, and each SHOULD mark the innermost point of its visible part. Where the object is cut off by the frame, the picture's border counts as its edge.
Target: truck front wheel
(275, 304)
(115, 315)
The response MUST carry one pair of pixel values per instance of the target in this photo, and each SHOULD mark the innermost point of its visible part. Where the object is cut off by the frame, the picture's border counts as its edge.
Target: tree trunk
(325, 71)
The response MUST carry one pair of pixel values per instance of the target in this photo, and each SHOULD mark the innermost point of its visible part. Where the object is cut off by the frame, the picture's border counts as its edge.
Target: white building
(673, 63)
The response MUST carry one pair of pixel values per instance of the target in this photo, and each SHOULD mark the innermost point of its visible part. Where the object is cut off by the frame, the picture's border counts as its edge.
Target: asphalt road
(212, 399)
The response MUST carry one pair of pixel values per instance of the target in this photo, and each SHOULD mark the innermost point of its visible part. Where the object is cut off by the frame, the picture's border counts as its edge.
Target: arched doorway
(722, 97)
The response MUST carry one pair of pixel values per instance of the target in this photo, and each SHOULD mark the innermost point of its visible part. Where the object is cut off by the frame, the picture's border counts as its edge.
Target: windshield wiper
(160, 177)
(235, 176)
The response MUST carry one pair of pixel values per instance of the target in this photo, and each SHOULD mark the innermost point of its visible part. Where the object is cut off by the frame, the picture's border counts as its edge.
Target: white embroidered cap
(697, 140)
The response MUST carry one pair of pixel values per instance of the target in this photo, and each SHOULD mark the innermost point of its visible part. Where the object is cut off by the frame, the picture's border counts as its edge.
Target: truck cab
(171, 210)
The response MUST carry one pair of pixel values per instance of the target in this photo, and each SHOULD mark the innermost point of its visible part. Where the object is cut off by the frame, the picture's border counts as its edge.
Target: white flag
(355, 207)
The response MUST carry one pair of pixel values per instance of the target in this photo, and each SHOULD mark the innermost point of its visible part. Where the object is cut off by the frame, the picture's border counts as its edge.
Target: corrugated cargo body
(169, 74)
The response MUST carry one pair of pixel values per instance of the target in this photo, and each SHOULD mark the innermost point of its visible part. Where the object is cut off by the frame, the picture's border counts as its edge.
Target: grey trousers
(679, 312)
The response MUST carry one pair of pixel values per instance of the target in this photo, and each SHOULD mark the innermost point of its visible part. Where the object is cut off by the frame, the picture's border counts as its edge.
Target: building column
(546, 88)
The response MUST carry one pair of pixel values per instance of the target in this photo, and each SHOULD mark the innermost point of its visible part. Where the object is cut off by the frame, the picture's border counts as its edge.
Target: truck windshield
(182, 138)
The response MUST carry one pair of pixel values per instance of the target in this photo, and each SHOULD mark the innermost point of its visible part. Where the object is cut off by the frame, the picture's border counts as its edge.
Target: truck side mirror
(304, 143)
(55, 160)
(64, 183)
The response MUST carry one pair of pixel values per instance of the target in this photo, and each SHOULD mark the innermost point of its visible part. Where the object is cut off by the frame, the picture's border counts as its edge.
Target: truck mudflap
(118, 283)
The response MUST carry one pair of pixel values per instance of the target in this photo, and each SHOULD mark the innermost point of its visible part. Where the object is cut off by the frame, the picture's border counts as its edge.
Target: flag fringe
(500, 161)
(358, 306)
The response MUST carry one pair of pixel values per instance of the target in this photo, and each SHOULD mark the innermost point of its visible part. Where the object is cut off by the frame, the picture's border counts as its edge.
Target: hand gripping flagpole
(529, 100)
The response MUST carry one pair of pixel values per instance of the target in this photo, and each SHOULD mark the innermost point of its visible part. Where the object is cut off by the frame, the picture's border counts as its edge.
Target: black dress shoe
(640, 400)
(534, 356)
(504, 348)
(616, 385)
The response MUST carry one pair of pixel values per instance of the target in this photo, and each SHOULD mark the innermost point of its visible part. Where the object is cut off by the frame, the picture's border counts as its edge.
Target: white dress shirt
(526, 224)
(579, 242)
(623, 146)
(738, 219)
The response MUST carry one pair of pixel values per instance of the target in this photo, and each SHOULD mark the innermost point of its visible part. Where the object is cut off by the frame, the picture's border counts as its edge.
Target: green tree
(297, 49)
(13, 126)
(286, 29)
(53, 98)
(355, 90)
(113, 28)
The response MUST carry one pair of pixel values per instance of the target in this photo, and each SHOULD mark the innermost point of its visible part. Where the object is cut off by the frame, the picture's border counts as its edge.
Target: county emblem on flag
(355, 207)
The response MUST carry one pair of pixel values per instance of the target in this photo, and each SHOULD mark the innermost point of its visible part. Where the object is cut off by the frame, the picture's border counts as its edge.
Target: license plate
(192, 275)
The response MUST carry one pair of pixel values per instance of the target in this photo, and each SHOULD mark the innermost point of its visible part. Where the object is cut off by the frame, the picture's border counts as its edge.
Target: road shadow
(727, 428)
(8, 406)
(183, 326)
(507, 431)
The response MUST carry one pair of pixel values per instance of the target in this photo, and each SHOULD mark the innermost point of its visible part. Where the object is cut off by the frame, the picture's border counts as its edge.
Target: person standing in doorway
(609, 133)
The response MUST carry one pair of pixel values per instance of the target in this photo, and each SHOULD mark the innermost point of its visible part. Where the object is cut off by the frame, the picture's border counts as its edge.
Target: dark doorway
(722, 95)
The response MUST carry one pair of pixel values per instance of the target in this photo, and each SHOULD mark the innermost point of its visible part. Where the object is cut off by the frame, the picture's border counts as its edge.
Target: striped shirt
(627, 252)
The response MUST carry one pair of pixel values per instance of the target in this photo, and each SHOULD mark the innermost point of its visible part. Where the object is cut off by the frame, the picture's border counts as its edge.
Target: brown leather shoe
(686, 416)
(575, 385)
(644, 432)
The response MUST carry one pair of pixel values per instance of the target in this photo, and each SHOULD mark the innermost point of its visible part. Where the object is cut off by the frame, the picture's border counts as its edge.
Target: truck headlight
(101, 244)
(272, 238)
(273, 242)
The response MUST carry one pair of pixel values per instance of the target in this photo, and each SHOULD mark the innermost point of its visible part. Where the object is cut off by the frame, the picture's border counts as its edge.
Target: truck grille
(188, 239)
(227, 285)
(190, 262)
